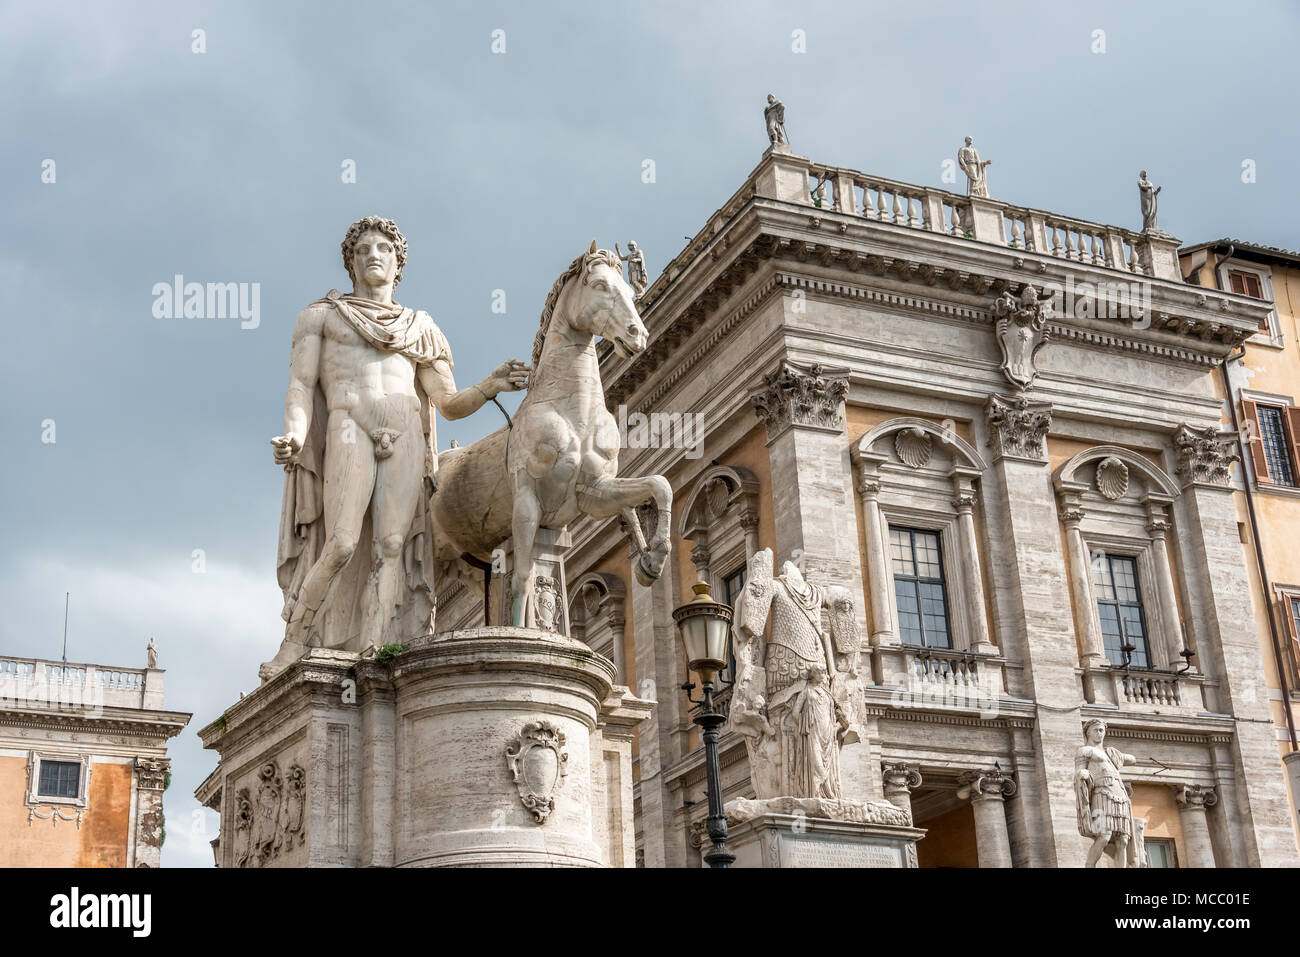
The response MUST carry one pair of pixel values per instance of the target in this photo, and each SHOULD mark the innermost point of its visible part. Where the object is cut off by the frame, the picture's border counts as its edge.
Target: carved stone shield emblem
(538, 763)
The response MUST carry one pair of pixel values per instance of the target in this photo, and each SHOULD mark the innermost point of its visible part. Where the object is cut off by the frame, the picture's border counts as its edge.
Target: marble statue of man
(360, 456)
(636, 274)
(1147, 193)
(797, 697)
(968, 158)
(151, 652)
(1105, 810)
(774, 114)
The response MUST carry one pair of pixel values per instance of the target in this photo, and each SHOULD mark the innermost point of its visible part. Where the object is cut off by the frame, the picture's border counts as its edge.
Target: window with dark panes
(1277, 450)
(1160, 853)
(732, 586)
(922, 598)
(59, 779)
(1119, 606)
(1248, 284)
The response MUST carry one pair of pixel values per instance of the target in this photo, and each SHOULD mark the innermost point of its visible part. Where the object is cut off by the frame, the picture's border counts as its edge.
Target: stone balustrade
(941, 677)
(982, 219)
(1139, 689)
(935, 210)
(41, 683)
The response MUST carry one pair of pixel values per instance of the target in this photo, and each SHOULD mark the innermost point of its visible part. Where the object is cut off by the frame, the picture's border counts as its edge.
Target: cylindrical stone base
(493, 749)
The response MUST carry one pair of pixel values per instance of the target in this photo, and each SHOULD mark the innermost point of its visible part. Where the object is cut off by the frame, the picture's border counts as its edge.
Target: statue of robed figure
(797, 697)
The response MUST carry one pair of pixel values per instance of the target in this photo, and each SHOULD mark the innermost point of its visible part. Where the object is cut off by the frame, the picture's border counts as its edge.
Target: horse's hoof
(646, 572)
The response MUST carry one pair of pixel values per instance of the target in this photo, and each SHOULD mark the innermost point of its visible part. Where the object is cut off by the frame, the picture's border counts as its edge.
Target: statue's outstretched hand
(512, 375)
(287, 449)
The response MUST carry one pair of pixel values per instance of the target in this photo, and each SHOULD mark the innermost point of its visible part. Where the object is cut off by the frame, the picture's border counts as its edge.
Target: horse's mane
(588, 258)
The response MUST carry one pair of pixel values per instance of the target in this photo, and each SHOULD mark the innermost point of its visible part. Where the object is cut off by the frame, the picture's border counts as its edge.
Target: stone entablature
(754, 226)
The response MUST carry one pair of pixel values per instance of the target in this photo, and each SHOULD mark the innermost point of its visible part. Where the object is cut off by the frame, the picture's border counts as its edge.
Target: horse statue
(559, 456)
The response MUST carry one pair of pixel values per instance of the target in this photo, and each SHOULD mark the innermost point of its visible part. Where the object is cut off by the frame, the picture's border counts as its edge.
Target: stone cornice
(153, 724)
(1190, 323)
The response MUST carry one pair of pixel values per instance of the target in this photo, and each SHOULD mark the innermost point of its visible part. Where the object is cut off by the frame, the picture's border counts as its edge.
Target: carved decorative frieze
(1205, 456)
(797, 396)
(1018, 428)
(1021, 332)
(1112, 478)
(538, 763)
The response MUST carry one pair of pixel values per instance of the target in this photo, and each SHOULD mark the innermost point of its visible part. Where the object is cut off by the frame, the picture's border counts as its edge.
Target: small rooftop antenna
(66, 597)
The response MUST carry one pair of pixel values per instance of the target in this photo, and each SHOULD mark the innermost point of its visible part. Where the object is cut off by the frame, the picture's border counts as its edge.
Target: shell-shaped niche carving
(914, 447)
(1112, 477)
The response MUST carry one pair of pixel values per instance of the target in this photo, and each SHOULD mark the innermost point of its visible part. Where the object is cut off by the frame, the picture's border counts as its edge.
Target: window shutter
(1288, 622)
(1256, 444)
(1293, 439)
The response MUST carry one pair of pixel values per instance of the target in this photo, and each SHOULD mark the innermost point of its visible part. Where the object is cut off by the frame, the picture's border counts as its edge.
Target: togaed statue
(798, 698)
(1105, 810)
(359, 452)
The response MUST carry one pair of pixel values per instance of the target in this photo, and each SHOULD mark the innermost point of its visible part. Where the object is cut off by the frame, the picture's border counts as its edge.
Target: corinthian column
(987, 791)
(1192, 801)
(1158, 527)
(972, 577)
(1080, 565)
(879, 585)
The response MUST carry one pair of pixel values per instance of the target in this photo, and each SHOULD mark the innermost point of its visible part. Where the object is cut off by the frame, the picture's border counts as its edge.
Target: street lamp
(703, 624)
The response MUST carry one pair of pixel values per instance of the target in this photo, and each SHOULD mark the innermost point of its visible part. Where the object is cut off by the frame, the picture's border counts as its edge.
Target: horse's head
(603, 304)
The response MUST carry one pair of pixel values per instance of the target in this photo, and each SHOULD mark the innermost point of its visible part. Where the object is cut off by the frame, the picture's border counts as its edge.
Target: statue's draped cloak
(302, 515)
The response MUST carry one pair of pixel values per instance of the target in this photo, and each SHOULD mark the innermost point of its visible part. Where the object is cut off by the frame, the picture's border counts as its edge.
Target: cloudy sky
(226, 166)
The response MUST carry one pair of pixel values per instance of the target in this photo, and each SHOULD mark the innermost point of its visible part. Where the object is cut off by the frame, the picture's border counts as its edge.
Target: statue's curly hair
(385, 226)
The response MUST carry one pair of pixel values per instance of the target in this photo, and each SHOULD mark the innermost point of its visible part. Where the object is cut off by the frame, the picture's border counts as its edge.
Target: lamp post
(703, 624)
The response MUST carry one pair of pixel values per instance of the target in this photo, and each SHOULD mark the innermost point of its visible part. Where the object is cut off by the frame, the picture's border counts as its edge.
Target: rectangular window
(732, 586)
(1119, 606)
(1277, 450)
(1160, 853)
(917, 560)
(1245, 284)
(59, 779)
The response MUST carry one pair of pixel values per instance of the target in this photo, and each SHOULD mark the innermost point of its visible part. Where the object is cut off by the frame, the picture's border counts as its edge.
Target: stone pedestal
(814, 832)
(490, 746)
(792, 840)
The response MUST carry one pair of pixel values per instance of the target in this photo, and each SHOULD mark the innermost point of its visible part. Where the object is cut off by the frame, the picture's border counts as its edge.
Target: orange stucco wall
(100, 842)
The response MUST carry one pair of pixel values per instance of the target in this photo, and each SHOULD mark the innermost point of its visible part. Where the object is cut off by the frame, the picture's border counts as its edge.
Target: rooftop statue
(636, 274)
(1147, 195)
(968, 158)
(774, 115)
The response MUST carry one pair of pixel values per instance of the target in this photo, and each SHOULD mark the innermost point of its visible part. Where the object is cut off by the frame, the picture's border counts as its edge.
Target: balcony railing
(34, 682)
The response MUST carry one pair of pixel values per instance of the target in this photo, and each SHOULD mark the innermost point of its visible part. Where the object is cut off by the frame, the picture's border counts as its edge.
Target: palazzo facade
(1037, 506)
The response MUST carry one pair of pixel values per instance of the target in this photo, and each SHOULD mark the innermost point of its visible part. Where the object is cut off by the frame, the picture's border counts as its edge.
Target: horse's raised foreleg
(610, 496)
(525, 518)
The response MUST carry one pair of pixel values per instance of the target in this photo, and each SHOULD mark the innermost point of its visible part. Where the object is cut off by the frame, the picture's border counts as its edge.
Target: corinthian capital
(1191, 796)
(793, 395)
(1018, 428)
(152, 773)
(1205, 456)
